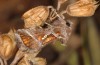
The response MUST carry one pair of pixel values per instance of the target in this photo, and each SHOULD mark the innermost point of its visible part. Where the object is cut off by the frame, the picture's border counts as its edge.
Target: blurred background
(83, 47)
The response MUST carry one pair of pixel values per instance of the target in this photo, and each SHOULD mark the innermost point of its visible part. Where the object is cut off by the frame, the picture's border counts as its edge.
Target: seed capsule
(28, 59)
(7, 45)
(82, 8)
(35, 16)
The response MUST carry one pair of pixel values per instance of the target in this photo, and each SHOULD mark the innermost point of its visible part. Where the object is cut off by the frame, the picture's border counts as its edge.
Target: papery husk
(82, 8)
(7, 45)
(29, 59)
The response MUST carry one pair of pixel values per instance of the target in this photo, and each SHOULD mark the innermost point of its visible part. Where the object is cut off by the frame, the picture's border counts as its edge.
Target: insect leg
(52, 14)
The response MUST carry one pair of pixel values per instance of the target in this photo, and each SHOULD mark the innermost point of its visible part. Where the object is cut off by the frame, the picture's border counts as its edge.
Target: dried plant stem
(3, 61)
(60, 2)
(18, 56)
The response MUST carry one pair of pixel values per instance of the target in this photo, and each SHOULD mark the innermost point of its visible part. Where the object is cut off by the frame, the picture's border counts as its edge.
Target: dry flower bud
(35, 16)
(82, 8)
(7, 45)
(28, 59)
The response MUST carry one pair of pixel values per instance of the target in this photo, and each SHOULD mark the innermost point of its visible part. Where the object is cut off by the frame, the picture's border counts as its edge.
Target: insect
(41, 15)
(31, 41)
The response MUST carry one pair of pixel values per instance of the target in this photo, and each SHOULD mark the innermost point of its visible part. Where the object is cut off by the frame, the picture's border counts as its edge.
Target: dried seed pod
(82, 8)
(7, 45)
(36, 16)
(28, 59)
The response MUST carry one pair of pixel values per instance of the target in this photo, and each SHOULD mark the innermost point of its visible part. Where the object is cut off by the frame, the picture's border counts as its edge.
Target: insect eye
(45, 26)
(68, 24)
